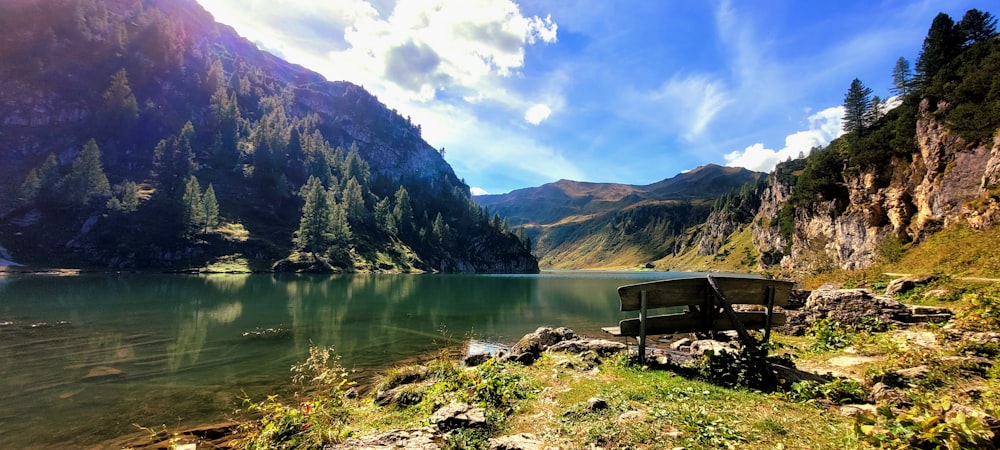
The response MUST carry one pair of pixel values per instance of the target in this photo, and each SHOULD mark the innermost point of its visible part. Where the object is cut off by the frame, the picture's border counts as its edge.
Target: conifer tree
(340, 228)
(211, 207)
(86, 179)
(857, 102)
(353, 200)
(315, 232)
(356, 167)
(977, 26)
(30, 188)
(193, 207)
(438, 228)
(383, 216)
(120, 103)
(403, 211)
(130, 196)
(942, 44)
(902, 77)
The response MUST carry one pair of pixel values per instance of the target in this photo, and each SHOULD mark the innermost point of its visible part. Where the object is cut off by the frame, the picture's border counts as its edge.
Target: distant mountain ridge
(604, 225)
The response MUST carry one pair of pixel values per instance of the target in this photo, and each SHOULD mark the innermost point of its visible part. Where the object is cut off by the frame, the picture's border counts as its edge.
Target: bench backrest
(695, 291)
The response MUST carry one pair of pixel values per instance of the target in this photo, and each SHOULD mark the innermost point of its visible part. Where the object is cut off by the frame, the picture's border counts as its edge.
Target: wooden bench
(708, 307)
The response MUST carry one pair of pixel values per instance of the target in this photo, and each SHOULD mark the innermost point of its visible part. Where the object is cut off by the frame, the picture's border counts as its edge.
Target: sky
(519, 93)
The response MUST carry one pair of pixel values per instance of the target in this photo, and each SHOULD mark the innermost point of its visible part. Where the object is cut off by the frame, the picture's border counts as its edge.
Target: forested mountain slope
(142, 134)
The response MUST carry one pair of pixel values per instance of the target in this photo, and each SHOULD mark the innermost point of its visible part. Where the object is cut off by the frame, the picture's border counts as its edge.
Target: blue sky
(520, 93)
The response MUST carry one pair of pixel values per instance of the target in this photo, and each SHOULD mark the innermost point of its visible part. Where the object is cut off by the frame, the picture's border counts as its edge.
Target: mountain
(117, 116)
(604, 225)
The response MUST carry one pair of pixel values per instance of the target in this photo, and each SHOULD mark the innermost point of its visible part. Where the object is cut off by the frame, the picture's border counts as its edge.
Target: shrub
(928, 424)
(317, 419)
(748, 368)
(840, 390)
(830, 335)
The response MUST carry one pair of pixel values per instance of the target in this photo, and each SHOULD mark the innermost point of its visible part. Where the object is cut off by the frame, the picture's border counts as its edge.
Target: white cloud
(824, 127)
(686, 104)
(537, 113)
(425, 47)
(478, 191)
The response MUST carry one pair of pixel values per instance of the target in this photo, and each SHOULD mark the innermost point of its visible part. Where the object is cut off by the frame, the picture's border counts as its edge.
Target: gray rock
(907, 283)
(475, 360)
(882, 393)
(596, 404)
(914, 373)
(458, 415)
(680, 344)
(847, 306)
(541, 339)
(425, 438)
(699, 347)
(602, 347)
(523, 441)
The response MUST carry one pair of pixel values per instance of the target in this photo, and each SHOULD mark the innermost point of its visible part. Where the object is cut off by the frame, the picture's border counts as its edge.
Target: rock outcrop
(945, 182)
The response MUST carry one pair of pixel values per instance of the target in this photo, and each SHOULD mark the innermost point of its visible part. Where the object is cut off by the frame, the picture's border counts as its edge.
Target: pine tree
(340, 228)
(977, 26)
(174, 161)
(120, 101)
(438, 229)
(353, 201)
(942, 44)
(211, 207)
(403, 211)
(130, 196)
(383, 216)
(30, 188)
(902, 77)
(856, 105)
(356, 167)
(127, 199)
(315, 231)
(86, 179)
(193, 207)
(874, 113)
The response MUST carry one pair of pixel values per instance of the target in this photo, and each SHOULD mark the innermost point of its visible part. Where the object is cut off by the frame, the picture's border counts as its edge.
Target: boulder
(458, 415)
(847, 306)
(907, 283)
(541, 339)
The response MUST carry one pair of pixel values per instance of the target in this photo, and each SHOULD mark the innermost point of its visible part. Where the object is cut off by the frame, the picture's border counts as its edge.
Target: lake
(84, 358)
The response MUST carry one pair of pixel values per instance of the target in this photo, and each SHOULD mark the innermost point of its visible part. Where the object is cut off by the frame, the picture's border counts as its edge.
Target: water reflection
(171, 349)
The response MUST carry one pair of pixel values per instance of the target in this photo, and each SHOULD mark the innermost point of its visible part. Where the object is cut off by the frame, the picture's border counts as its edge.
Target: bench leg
(642, 327)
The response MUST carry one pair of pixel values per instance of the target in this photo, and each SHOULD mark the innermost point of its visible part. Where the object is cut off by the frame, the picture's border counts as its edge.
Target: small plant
(931, 424)
(984, 308)
(495, 387)
(318, 418)
(748, 367)
(839, 390)
(830, 335)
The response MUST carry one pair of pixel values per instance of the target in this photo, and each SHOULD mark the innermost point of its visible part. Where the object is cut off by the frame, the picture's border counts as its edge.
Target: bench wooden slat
(692, 291)
(691, 322)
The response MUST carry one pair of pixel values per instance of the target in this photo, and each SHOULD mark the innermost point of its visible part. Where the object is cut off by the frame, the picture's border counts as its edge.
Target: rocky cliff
(946, 182)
